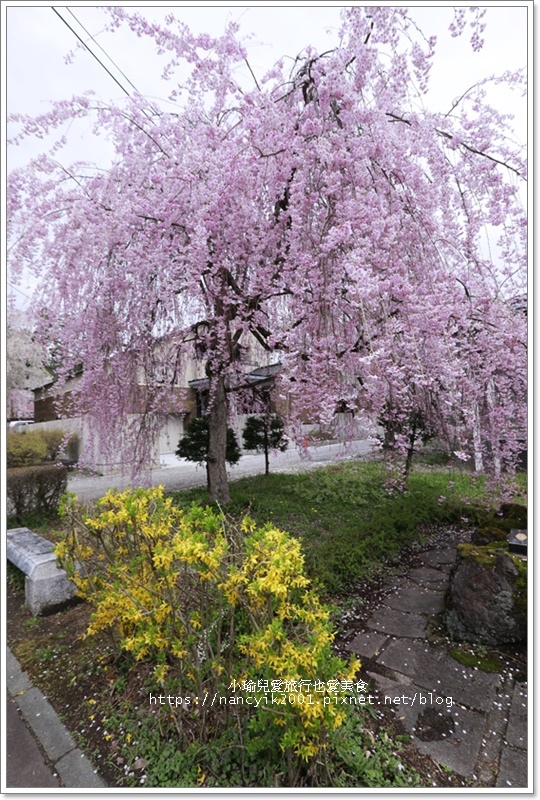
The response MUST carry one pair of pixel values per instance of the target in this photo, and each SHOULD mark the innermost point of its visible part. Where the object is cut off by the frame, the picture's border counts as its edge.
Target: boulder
(497, 526)
(487, 596)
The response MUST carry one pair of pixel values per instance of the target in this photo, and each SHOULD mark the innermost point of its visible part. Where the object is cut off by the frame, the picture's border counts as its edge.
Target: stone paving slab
(434, 669)
(512, 769)
(473, 722)
(395, 582)
(367, 644)
(516, 733)
(416, 600)
(439, 558)
(398, 623)
(449, 735)
(432, 578)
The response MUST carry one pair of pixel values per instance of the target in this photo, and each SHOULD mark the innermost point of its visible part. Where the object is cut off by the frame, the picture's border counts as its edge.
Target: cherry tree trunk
(477, 441)
(218, 484)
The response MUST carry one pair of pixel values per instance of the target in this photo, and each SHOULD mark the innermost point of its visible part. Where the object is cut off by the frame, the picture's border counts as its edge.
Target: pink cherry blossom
(321, 213)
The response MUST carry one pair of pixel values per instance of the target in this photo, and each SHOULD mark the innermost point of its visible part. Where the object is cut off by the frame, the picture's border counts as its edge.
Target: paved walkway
(40, 753)
(176, 474)
(26, 765)
(473, 722)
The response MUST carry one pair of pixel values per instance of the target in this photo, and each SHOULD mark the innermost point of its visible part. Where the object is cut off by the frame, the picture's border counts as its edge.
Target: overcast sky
(37, 42)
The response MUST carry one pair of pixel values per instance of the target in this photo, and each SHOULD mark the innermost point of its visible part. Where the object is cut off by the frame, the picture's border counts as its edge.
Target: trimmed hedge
(35, 489)
(33, 447)
(25, 449)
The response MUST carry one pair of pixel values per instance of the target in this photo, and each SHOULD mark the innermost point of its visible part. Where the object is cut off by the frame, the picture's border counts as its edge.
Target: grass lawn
(348, 522)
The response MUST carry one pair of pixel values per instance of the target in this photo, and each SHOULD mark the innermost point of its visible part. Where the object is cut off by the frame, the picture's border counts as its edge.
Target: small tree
(194, 445)
(265, 433)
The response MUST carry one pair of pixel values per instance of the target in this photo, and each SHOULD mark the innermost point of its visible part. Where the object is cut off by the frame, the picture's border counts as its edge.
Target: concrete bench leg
(47, 586)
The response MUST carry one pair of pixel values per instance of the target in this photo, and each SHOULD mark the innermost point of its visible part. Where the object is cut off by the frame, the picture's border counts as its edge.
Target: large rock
(487, 596)
(497, 526)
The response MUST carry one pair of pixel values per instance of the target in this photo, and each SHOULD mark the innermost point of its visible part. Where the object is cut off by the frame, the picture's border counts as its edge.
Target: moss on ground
(520, 591)
(475, 659)
(486, 555)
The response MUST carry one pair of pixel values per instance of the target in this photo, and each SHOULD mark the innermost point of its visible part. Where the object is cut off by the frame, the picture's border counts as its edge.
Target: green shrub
(217, 609)
(265, 433)
(194, 445)
(25, 449)
(60, 444)
(30, 448)
(53, 439)
(35, 489)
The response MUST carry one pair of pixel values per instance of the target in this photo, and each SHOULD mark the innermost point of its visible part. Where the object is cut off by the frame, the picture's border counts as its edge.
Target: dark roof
(256, 376)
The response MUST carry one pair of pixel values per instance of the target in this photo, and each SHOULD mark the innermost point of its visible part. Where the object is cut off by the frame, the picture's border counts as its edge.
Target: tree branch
(470, 148)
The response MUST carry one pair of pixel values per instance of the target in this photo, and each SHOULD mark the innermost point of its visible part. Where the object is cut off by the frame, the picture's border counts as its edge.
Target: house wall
(173, 429)
(179, 407)
(171, 433)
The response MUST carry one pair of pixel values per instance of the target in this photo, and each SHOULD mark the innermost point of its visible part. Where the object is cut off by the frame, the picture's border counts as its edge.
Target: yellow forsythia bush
(216, 607)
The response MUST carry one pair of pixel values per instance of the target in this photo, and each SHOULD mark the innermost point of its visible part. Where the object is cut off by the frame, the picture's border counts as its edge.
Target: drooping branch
(460, 143)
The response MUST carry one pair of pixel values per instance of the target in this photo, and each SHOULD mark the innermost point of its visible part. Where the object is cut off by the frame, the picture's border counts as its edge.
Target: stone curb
(73, 767)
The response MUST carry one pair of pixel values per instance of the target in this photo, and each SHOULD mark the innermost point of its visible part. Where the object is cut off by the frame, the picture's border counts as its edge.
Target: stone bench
(46, 585)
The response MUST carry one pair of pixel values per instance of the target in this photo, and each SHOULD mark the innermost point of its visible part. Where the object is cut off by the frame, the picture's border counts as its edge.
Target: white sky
(37, 42)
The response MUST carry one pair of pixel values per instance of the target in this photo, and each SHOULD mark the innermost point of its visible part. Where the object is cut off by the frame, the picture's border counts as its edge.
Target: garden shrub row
(30, 448)
(35, 489)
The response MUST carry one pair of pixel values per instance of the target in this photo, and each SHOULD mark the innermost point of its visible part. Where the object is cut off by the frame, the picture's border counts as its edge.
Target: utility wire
(19, 290)
(91, 52)
(105, 53)
(85, 45)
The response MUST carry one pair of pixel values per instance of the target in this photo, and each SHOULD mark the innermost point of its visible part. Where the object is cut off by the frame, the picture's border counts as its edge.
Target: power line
(91, 52)
(19, 290)
(104, 52)
(148, 115)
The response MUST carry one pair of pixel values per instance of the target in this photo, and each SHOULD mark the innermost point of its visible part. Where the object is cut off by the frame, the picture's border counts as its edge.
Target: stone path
(471, 721)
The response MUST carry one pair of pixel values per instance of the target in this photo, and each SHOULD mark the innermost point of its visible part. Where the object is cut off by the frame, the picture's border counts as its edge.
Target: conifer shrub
(195, 444)
(265, 433)
(220, 610)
